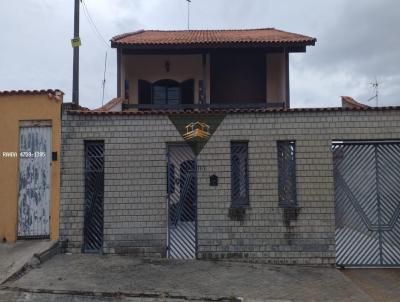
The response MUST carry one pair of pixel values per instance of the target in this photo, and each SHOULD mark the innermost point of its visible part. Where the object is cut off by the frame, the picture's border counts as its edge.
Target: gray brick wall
(135, 183)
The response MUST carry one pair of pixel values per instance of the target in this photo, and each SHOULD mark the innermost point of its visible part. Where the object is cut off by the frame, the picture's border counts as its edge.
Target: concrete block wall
(135, 182)
(135, 218)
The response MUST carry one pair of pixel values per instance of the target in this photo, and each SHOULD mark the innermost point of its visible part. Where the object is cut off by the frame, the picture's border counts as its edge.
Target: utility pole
(75, 44)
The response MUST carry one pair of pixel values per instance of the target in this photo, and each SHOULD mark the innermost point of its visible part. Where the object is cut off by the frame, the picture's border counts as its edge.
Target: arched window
(166, 92)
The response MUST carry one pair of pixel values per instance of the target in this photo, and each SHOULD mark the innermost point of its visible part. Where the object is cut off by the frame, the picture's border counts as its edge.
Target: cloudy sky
(358, 41)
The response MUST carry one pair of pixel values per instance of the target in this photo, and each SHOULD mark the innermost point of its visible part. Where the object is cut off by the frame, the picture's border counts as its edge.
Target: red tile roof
(262, 36)
(30, 92)
(51, 93)
(111, 104)
(226, 111)
(349, 102)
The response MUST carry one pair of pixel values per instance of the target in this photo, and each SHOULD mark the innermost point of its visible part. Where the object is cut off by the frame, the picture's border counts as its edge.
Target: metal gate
(182, 202)
(367, 193)
(94, 194)
(34, 182)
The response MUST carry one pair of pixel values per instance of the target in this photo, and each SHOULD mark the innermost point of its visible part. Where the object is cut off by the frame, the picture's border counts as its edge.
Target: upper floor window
(166, 92)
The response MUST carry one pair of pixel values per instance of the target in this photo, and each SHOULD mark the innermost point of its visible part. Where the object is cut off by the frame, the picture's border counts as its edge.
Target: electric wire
(93, 24)
(101, 37)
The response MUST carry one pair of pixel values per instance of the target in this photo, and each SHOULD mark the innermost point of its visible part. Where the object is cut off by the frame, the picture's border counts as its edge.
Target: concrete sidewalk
(380, 284)
(124, 276)
(14, 256)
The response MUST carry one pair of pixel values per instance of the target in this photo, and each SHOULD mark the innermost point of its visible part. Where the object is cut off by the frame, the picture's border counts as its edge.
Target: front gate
(182, 202)
(94, 195)
(34, 182)
(367, 200)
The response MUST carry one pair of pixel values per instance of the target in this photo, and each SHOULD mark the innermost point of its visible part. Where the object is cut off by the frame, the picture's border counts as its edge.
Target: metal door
(94, 195)
(182, 202)
(34, 182)
(367, 194)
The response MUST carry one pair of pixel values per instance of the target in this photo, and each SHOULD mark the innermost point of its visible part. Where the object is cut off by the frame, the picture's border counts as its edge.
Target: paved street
(8, 296)
(123, 278)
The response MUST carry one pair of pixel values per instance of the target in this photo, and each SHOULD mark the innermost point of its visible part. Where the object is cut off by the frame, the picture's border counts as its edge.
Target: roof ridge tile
(30, 92)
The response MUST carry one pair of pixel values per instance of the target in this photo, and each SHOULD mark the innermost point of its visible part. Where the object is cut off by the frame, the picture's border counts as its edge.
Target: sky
(357, 43)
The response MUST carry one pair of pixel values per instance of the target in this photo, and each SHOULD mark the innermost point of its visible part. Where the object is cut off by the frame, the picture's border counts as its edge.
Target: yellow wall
(13, 110)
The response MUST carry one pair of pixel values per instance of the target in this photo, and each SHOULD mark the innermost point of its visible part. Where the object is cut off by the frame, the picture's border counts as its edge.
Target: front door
(34, 182)
(94, 197)
(182, 202)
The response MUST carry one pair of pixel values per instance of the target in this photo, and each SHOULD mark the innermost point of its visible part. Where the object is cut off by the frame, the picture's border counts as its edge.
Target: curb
(49, 253)
(121, 294)
(36, 260)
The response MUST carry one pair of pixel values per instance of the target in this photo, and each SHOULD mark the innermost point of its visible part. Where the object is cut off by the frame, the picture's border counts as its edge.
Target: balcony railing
(204, 106)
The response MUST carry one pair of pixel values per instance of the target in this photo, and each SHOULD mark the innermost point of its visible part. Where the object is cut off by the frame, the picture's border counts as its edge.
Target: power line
(101, 37)
(93, 24)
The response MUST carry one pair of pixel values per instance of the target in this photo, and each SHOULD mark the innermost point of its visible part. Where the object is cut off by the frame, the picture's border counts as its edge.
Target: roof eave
(231, 111)
(31, 92)
(291, 46)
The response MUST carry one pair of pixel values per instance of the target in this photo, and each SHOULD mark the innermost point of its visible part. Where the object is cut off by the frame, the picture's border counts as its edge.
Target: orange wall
(13, 109)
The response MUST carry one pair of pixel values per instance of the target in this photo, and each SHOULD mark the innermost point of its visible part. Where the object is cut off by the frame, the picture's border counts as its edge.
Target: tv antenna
(375, 87)
(188, 13)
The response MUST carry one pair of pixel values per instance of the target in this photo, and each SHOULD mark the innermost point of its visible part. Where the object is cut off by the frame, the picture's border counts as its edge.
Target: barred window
(287, 173)
(239, 174)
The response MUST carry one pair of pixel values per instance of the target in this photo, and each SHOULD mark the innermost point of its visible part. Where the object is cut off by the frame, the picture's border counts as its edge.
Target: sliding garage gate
(367, 196)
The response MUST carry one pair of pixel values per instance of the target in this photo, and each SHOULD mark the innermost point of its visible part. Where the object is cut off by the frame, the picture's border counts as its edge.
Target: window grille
(239, 174)
(287, 173)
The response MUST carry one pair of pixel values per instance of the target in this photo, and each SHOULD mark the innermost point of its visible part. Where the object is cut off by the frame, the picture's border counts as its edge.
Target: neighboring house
(30, 137)
(349, 102)
(201, 156)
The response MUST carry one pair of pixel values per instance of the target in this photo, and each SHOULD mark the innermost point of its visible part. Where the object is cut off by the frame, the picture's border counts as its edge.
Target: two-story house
(201, 156)
(206, 68)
